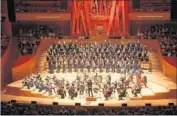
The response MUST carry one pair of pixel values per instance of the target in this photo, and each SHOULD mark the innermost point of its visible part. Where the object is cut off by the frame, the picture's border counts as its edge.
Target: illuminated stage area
(89, 57)
(160, 90)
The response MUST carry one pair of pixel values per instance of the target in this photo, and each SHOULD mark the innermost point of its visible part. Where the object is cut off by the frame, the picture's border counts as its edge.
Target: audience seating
(165, 33)
(31, 109)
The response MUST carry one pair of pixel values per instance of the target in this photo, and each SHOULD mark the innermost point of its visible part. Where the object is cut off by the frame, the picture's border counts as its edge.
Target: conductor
(89, 85)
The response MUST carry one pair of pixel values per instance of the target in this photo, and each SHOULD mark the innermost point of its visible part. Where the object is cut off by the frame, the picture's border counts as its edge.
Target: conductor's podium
(90, 99)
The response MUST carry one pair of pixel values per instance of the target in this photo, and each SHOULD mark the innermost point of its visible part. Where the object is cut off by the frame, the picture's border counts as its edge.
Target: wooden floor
(161, 90)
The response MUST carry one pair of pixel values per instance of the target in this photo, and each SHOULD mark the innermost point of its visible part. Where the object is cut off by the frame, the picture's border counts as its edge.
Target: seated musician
(72, 92)
(61, 91)
(26, 82)
(108, 92)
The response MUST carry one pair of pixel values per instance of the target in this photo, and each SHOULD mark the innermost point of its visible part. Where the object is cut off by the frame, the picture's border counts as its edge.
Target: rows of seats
(33, 109)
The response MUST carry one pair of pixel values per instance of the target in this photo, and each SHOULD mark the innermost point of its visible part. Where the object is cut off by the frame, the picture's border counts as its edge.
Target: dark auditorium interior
(88, 57)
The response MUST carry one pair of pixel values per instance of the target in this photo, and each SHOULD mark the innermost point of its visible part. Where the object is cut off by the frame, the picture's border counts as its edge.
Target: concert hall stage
(161, 89)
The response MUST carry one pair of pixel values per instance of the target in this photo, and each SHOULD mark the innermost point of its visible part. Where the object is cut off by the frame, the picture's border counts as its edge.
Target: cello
(108, 92)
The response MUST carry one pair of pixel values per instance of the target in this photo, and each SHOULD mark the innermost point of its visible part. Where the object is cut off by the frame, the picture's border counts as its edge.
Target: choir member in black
(51, 67)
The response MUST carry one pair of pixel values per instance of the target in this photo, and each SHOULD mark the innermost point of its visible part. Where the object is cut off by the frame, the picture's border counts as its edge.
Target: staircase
(40, 64)
(155, 63)
(41, 54)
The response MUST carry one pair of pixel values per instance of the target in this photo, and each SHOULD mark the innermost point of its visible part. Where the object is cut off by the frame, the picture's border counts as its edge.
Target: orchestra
(91, 59)
(83, 85)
